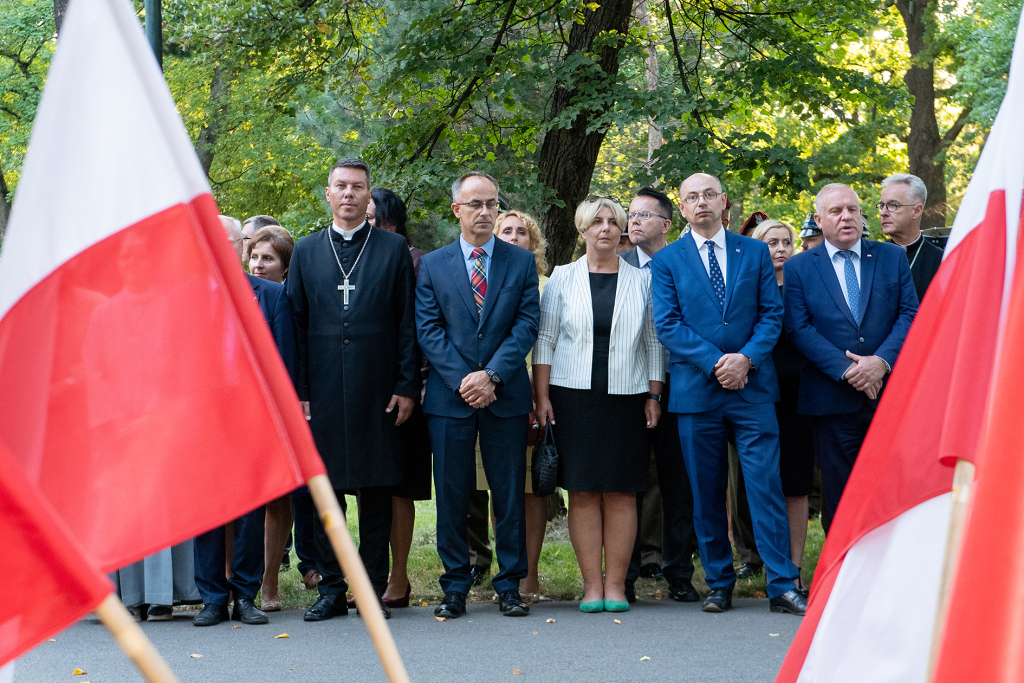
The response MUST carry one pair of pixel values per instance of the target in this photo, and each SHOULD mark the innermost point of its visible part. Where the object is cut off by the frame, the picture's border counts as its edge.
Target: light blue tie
(852, 286)
(715, 273)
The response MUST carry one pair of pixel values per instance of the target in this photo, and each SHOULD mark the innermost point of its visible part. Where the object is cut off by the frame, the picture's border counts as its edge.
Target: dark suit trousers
(478, 522)
(503, 451)
(837, 440)
(704, 438)
(246, 563)
(304, 512)
(374, 542)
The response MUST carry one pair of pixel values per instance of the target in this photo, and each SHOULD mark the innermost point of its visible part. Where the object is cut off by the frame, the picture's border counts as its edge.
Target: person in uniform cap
(352, 290)
(901, 208)
(754, 220)
(810, 234)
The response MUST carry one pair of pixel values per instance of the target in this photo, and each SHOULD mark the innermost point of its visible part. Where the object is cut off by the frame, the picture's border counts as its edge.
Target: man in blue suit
(718, 312)
(210, 548)
(849, 305)
(477, 313)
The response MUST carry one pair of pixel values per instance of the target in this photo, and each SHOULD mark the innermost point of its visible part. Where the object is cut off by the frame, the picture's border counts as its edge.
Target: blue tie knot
(847, 254)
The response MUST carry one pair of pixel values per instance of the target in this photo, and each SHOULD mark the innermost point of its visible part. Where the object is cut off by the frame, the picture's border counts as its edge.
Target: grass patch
(560, 577)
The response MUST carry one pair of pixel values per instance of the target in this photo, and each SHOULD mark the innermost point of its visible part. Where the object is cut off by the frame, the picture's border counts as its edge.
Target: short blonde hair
(588, 210)
(538, 245)
(764, 226)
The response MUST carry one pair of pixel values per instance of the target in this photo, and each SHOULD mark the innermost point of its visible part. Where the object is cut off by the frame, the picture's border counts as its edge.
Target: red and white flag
(141, 388)
(876, 587)
(48, 582)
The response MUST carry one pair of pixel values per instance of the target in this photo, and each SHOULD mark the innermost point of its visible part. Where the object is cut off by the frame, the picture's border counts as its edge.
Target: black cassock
(352, 358)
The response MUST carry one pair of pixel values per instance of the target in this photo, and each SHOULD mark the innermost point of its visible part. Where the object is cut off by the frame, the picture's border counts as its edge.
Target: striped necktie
(479, 279)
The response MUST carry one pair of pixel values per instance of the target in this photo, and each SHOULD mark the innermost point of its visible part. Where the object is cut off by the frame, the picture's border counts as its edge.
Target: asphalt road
(684, 644)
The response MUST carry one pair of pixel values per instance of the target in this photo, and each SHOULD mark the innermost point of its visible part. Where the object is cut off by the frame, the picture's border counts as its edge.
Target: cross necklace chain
(346, 287)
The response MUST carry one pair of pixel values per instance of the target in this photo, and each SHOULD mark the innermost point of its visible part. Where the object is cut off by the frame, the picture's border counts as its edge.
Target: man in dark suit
(901, 208)
(210, 547)
(718, 312)
(477, 314)
(650, 219)
(849, 305)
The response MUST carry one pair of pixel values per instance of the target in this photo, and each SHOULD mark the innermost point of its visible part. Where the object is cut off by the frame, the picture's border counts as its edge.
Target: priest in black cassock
(353, 295)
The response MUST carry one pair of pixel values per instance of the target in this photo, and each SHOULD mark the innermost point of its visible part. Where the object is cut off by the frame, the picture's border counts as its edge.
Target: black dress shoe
(327, 607)
(247, 612)
(749, 570)
(510, 604)
(385, 610)
(652, 570)
(452, 606)
(684, 592)
(478, 574)
(719, 600)
(630, 592)
(211, 615)
(790, 601)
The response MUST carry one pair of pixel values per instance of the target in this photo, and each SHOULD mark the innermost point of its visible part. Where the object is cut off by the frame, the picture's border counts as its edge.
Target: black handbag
(544, 468)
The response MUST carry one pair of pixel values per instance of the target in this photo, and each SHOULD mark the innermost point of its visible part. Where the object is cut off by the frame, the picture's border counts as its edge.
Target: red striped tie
(479, 279)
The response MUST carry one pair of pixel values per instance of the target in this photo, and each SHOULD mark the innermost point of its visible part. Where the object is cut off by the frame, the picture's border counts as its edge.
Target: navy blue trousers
(246, 563)
(503, 451)
(305, 516)
(837, 440)
(704, 439)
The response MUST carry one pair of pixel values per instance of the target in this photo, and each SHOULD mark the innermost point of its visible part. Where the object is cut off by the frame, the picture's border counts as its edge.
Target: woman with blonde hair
(519, 228)
(598, 373)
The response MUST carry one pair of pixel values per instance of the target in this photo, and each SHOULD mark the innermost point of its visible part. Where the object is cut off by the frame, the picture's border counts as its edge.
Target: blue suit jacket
(822, 328)
(698, 331)
(273, 300)
(457, 341)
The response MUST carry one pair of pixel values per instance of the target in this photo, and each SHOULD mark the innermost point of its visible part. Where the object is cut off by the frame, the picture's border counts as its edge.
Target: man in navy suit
(849, 305)
(718, 312)
(477, 314)
(210, 548)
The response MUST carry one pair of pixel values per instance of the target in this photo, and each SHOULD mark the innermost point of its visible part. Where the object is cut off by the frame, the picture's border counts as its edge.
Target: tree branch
(958, 125)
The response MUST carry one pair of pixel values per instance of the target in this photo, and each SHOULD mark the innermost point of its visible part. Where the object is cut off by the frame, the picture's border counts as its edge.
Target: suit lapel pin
(737, 251)
(868, 255)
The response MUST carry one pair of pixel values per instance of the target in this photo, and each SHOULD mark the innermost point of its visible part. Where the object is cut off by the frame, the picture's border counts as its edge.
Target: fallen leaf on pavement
(53, 640)
(549, 621)
(516, 671)
(438, 618)
(774, 635)
(236, 626)
(657, 595)
(470, 621)
(617, 621)
(534, 633)
(195, 656)
(645, 658)
(423, 604)
(283, 635)
(78, 672)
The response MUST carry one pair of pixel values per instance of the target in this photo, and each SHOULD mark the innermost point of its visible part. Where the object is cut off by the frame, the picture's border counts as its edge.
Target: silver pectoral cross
(346, 287)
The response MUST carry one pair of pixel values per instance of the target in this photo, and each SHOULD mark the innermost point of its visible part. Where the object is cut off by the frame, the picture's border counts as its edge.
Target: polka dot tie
(717, 281)
(852, 286)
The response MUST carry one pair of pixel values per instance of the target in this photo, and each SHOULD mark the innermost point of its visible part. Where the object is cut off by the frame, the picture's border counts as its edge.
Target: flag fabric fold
(50, 583)
(875, 590)
(143, 392)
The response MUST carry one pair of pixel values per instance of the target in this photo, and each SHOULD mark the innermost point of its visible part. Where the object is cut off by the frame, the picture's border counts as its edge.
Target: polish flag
(141, 388)
(47, 580)
(876, 588)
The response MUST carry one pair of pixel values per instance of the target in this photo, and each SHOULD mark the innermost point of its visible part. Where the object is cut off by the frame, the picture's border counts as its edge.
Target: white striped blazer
(565, 340)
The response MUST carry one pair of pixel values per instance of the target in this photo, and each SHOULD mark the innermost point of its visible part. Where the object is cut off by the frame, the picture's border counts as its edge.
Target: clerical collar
(347, 235)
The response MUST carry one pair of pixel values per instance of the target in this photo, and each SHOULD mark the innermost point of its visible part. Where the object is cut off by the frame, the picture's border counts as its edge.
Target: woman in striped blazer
(598, 371)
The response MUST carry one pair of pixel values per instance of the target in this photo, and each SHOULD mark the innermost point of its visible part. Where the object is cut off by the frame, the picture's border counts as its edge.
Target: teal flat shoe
(613, 606)
(592, 606)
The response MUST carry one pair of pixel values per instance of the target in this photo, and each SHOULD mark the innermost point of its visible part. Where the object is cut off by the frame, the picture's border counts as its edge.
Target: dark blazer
(273, 300)
(697, 331)
(631, 257)
(457, 341)
(821, 326)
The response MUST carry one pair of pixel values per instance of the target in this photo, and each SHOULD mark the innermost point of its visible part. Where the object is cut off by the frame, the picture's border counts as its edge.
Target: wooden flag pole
(963, 479)
(133, 641)
(366, 597)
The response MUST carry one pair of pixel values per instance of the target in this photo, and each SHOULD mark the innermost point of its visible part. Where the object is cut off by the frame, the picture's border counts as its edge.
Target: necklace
(916, 253)
(346, 287)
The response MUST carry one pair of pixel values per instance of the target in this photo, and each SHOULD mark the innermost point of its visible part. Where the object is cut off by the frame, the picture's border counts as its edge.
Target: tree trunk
(220, 87)
(59, 7)
(5, 206)
(654, 136)
(925, 145)
(568, 155)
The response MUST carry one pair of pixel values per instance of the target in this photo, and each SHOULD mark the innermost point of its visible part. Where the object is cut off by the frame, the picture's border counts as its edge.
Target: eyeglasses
(595, 197)
(644, 215)
(490, 205)
(692, 198)
(892, 207)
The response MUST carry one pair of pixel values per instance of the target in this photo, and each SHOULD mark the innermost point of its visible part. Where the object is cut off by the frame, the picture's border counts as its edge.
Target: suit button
(724, 323)
(346, 324)
(344, 245)
(861, 340)
(479, 365)
(345, 308)
(346, 342)
(479, 336)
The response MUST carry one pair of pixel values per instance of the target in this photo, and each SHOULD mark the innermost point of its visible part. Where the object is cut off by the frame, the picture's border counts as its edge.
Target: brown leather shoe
(311, 579)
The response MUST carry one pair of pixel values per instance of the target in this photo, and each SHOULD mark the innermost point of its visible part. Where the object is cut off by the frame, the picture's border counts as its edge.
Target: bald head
(234, 230)
(702, 203)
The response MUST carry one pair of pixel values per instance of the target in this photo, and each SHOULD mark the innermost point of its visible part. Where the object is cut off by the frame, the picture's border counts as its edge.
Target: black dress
(796, 444)
(602, 439)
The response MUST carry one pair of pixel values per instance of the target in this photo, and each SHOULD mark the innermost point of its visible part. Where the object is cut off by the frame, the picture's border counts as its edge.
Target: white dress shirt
(347, 235)
(643, 259)
(718, 244)
(467, 252)
(839, 263)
